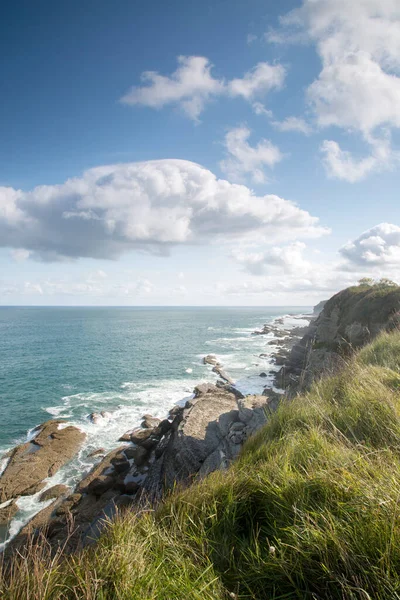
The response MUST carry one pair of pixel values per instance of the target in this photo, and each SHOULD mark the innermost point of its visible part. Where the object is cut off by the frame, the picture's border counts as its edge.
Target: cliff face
(349, 320)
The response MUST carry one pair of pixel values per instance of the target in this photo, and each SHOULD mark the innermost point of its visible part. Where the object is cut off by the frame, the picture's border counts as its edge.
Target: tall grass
(311, 509)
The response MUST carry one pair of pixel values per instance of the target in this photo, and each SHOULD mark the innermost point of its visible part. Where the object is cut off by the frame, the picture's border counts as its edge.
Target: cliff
(349, 320)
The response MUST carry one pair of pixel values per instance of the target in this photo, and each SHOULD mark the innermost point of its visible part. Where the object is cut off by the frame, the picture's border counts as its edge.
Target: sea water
(66, 363)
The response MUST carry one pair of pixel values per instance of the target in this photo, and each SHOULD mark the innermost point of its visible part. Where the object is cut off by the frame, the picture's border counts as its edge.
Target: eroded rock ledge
(204, 435)
(30, 463)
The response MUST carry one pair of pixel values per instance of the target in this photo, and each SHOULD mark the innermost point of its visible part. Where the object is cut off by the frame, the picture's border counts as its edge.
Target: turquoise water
(69, 362)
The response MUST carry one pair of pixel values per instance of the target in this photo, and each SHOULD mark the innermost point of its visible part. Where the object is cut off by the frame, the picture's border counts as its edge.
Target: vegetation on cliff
(311, 509)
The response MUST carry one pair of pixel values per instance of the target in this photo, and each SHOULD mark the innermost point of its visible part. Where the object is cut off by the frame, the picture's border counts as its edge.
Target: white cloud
(293, 269)
(260, 80)
(148, 206)
(192, 85)
(244, 159)
(342, 164)
(251, 38)
(288, 259)
(358, 88)
(376, 248)
(260, 109)
(293, 124)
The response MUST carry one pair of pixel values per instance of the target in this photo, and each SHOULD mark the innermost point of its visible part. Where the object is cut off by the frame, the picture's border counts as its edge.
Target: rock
(131, 487)
(75, 498)
(347, 321)
(54, 492)
(263, 375)
(64, 508)
(230, 389)
(8, 511)
(126, 437)
(124, 502)
(95, 417)
(102, 468)
(140, 435)
(121, 465)
(211, 359)
(100, 485)
(150, 422)
(223, 375)
(34, 461)
(96, 452)
(203, 388)
(140, 456)
(175, 410)
(200, 433)
(163, 428)
(150, 443)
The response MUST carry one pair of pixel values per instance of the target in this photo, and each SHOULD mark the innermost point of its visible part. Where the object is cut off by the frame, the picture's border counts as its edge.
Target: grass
(311, 509)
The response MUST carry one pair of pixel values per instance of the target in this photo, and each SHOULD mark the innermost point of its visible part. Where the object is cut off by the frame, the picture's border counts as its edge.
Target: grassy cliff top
(311, 509)
(366, 304)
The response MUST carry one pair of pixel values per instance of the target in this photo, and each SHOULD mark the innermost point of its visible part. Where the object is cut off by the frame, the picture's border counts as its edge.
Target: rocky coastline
(205, 434)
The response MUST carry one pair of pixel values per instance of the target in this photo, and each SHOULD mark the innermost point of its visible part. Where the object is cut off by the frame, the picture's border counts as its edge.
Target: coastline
(277, 336)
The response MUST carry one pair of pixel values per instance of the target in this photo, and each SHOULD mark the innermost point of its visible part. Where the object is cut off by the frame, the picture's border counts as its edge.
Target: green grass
(311, 509)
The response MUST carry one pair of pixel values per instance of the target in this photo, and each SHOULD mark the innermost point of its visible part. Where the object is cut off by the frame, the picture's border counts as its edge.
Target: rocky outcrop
(348, 320)
(211, 359)
(205, 436)
(54, 492)
(30, 463)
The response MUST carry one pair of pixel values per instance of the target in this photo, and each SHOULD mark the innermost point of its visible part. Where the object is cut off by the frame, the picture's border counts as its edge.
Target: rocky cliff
(350, 319)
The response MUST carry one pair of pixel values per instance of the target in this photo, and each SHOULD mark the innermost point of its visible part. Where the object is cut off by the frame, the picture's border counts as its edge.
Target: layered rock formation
(30, 463)
(348, 320)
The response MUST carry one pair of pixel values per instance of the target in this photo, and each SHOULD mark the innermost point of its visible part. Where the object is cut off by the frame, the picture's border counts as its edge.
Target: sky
(197, 153)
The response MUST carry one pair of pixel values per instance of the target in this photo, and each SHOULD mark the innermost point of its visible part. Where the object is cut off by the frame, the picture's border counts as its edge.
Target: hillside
(309, 510)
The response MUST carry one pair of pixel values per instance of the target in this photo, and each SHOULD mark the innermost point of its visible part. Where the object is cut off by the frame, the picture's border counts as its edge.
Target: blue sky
(257, 164)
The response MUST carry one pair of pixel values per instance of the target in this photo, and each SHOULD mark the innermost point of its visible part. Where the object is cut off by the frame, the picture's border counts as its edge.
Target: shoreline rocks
(42, 457)
(204, 435)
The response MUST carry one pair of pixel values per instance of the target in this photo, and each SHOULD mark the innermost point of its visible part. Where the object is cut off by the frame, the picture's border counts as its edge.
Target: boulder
(131, 487)
(34, 461)
(211, 359)
(149, 422)
(140, 435)
(100, 484)
(54, 492)
(121, 465)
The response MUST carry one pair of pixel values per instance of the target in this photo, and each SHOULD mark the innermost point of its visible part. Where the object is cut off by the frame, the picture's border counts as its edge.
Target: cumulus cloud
(244, 159)
(260, 80)
(293, 124)
(192, 85)
(343, 165)
(378, 247)
(288, 259)
(147, 206)
(358, 88)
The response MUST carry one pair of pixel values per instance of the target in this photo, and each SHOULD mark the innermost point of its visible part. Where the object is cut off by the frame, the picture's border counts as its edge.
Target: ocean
(66, 363)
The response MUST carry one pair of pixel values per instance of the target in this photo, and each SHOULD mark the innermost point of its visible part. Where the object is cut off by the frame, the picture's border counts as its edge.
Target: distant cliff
(349, 320)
